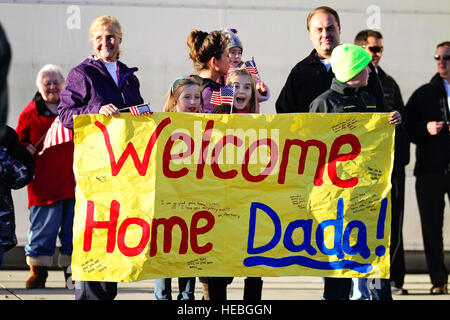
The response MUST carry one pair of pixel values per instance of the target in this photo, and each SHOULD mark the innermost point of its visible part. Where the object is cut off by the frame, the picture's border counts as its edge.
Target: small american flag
(223, 96)
(250, 65)
(140, 110)
(215, 98)
(56, 134)
(227, 94)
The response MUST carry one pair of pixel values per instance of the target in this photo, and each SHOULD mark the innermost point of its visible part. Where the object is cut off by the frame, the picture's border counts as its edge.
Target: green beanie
(347, 60)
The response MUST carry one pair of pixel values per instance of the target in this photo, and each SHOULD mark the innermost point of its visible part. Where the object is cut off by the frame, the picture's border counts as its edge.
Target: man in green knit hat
(349, 63)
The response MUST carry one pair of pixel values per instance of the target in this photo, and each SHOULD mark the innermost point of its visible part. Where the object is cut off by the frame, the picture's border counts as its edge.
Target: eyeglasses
(375, 49)
(438, 57)
(49, 83)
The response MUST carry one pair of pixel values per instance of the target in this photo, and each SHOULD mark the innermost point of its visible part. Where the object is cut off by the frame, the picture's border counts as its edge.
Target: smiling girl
(185, 95)
(245, 99)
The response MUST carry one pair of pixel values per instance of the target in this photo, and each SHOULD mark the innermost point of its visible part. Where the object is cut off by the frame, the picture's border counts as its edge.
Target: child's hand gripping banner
(185, 195)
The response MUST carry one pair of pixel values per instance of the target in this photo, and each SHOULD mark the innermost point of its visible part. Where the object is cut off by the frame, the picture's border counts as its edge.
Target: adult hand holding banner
(182, 195)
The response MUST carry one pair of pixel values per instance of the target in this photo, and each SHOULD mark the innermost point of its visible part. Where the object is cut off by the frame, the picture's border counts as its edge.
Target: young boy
(350, 66)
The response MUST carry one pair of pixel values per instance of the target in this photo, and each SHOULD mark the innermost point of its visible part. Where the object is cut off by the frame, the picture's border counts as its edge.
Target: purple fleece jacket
(90, 86)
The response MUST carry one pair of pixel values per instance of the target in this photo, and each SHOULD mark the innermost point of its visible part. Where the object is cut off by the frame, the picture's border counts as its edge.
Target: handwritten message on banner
(178, 195)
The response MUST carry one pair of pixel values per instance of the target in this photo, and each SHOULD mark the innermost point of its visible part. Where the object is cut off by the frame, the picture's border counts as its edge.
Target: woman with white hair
(51, 194)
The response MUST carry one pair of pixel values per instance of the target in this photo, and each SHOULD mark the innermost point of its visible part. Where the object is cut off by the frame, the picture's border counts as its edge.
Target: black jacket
(17, 168)
(394, 102)
(341, 98)
(392, 94)
(429, 103)
(5, 60)
(309, 78)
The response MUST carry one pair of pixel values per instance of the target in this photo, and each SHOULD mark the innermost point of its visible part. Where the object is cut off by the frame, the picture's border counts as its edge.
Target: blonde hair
(176, 89)
(49, 68)
(253, 103)
(104, 21)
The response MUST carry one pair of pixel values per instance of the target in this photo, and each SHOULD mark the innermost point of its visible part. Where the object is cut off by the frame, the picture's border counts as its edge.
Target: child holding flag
(235, 49)
(244, 101)
(184, 95)
(244, 98)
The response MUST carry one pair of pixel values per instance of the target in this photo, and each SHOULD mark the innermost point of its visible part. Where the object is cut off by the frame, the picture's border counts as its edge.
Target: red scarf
(245, 110)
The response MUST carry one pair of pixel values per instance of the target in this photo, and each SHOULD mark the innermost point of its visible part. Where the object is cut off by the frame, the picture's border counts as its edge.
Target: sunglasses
(438, 57)
(375, 49)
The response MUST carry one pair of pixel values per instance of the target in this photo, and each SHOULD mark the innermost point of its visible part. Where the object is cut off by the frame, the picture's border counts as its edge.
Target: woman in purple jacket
(100, 84)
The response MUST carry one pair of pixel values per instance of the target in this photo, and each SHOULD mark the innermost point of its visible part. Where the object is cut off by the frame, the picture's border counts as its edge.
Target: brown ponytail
(204, 46)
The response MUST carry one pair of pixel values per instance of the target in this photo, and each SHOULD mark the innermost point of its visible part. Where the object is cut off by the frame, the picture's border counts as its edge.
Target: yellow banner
(183, 195)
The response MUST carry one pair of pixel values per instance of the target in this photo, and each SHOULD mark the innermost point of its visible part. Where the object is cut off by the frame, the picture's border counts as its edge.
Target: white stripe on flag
(53, 134)
(215, 98)
(134, 111)
(56, 134)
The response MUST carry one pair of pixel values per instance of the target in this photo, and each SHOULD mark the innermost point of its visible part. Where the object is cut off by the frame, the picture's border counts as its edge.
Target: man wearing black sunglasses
(428, 119)
(372, 42)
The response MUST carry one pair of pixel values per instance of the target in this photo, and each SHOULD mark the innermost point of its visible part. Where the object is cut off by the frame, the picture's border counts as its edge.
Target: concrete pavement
(12, 287)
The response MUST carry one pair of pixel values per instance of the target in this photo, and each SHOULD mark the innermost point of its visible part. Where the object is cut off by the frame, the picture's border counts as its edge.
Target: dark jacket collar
(437, 81)
(381, 73)
(313, 58)
(343, 88)
(41, 107)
